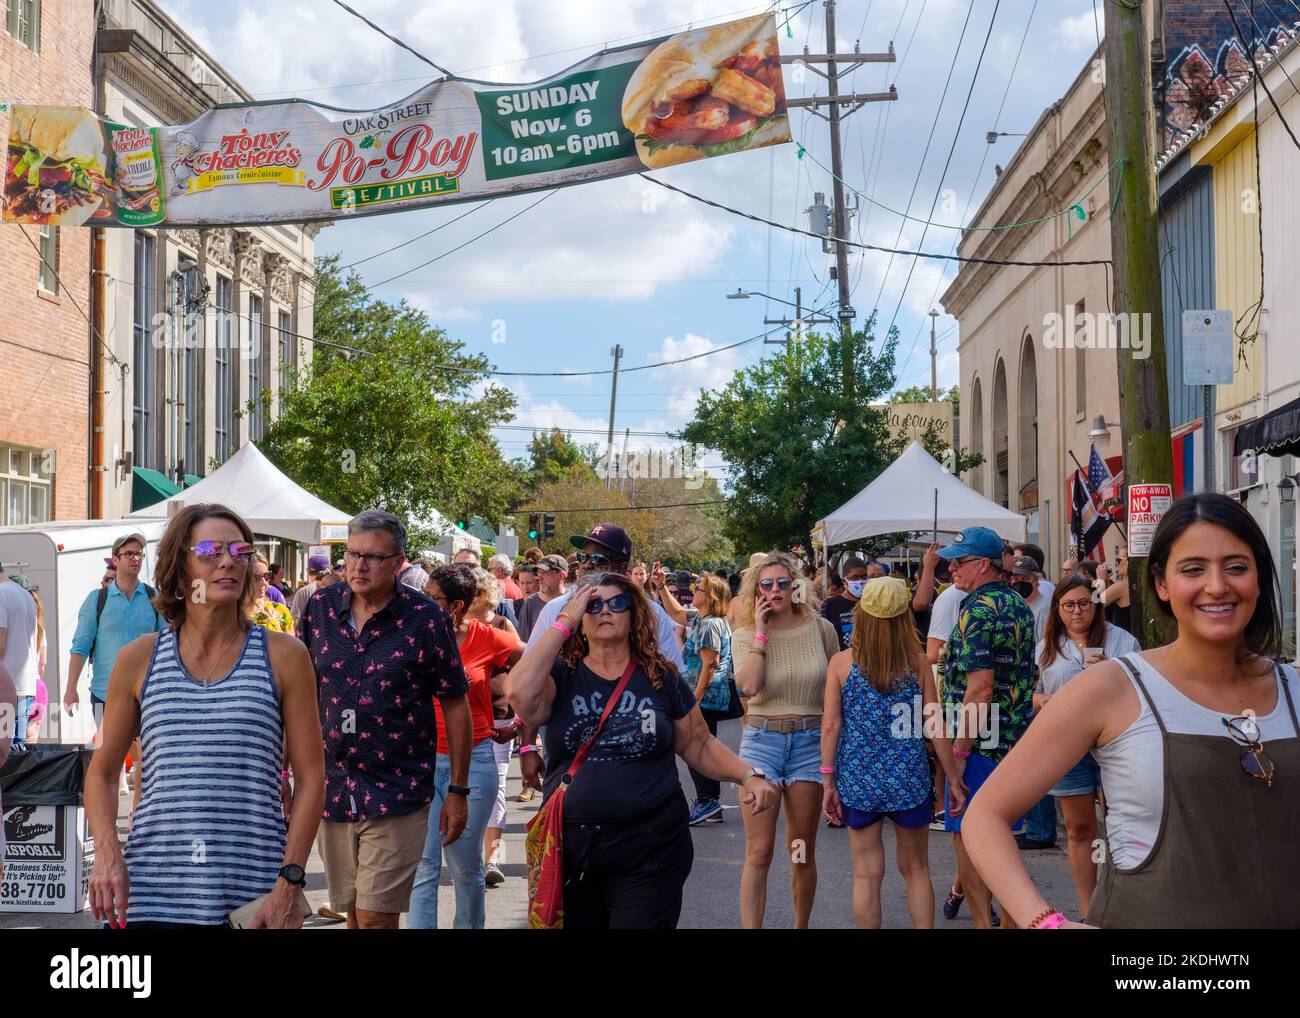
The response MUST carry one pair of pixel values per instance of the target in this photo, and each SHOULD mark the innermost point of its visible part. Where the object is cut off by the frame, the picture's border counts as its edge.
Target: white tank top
(1133, 763)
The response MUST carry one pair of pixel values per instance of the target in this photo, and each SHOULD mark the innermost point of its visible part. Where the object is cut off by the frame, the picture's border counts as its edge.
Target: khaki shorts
(371, 864)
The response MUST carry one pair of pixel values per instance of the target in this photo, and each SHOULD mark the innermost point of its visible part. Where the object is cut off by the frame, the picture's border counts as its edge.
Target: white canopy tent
(271, 503)
(914, 494)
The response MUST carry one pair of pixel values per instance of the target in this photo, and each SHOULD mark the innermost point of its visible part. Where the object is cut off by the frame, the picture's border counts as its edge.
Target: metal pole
(1207, 437)
(622, 467)
(934, 362)
(617, 352)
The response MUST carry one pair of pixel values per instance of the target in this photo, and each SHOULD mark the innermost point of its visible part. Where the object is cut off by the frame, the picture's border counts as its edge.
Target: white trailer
(65, 561)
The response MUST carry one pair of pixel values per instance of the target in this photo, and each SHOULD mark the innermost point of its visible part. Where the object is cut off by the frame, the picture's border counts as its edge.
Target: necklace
(207, 680)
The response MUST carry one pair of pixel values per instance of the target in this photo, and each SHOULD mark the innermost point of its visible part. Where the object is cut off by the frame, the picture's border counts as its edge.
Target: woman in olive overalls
(1198, 744)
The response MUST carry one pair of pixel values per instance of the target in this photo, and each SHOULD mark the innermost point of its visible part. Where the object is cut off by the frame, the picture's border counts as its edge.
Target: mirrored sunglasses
(241, 552)
(782, 584)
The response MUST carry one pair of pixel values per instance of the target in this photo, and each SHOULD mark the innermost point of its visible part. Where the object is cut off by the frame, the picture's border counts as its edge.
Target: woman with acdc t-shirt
(627, 846)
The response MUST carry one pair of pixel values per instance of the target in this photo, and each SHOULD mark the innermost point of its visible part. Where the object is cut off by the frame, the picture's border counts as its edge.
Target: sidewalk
(507, 904)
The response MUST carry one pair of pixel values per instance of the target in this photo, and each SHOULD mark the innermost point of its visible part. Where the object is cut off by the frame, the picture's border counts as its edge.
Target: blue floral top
(713, 633)
(880, 764)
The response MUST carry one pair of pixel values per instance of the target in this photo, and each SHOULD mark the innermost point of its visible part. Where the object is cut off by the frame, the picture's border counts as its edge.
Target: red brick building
(45, 56)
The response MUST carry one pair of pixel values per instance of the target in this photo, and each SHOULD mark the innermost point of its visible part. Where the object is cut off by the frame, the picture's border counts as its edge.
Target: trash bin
(48, 850)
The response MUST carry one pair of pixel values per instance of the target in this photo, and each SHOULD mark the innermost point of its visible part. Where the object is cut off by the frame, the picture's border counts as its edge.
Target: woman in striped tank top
(214, 700)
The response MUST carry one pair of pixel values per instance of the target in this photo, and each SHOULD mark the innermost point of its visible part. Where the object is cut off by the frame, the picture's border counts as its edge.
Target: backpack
(99, 610)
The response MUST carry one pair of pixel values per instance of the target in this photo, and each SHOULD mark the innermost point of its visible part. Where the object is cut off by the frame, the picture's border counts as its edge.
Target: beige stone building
(199, 322)
(1028, 400)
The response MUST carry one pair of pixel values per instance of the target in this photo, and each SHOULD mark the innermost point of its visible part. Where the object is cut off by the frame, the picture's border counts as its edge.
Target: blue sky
(620, 261)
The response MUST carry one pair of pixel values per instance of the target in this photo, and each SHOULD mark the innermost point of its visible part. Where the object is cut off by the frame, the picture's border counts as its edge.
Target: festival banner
(693, 95)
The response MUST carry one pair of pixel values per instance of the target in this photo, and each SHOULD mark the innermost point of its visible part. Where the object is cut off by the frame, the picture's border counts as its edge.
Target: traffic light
(548, 525)
(532, 525)
(462, 523)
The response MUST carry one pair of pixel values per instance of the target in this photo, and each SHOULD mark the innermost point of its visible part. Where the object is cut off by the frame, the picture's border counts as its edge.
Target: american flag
(1099, 477)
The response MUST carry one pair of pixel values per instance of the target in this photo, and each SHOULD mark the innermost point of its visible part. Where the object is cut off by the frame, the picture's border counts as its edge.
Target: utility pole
(934, 360)
(1135, 250)
(617, 353)
(833, 100)
(798, 322)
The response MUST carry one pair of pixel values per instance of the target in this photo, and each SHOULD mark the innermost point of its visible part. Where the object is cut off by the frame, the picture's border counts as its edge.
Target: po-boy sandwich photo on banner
(693, 95)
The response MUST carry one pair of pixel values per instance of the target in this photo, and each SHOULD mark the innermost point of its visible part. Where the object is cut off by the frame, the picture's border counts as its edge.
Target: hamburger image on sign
(708, 93)
(54, 170)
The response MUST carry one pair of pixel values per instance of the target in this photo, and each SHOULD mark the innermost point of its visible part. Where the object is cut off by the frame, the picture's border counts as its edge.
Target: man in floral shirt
(382, 652)
(989, 678)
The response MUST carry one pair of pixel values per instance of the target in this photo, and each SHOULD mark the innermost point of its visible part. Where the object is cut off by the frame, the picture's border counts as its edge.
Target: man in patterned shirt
(382, 652)
(989, 678)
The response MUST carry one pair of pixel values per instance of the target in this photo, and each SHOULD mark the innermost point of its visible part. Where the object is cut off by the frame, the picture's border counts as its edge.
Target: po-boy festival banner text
(693, 95)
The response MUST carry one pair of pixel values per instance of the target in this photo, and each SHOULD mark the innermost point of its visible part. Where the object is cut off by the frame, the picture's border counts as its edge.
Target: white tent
(916, 493)
(271, 503)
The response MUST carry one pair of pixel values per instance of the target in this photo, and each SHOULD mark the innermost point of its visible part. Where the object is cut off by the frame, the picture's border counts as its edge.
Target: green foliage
(551, 454)
(406, 425)
(798, 441)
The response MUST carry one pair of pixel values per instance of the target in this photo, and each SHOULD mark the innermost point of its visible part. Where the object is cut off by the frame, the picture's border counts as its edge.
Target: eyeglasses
(1254, 761)
(1076, 606)
(372, 560)
(134, 556)
(241, 552)
(782, 584)
(618, 604)
(958, 563)
(262, 577)
(595, 558)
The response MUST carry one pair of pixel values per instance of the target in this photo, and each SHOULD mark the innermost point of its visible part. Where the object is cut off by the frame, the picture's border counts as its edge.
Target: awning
(191, 480)
(1276, 433)
(149, 487)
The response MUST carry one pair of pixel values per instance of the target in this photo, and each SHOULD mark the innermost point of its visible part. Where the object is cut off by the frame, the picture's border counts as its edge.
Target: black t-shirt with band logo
(838, 611)
(631, 770)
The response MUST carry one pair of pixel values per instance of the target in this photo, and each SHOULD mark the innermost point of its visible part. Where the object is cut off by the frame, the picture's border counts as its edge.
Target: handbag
(544, 842)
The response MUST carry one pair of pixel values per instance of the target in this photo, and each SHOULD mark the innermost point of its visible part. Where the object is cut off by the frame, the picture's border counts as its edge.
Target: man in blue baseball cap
(989, 679)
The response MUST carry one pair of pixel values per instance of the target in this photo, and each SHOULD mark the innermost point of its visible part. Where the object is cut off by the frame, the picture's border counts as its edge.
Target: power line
(621, 508)
(393, 39)
(872, 247)
(442, 226)
(436, 258)
(956, 136)
(1258, 74)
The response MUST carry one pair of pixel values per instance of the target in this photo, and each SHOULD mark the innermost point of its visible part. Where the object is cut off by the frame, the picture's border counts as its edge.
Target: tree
(797, 444)
(552, 453)
(403, 424)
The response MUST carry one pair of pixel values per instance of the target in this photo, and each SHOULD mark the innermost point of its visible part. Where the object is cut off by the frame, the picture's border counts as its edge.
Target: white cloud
(1079, 33)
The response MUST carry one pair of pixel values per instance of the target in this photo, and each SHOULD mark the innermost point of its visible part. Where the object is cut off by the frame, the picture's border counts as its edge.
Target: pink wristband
(557, 624)
(527, 749)
(961, 754)
(760, 638)
(1052, 922)
(826, 770)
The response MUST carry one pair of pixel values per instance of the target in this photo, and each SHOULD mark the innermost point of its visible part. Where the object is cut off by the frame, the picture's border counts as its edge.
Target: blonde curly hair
(749, 588)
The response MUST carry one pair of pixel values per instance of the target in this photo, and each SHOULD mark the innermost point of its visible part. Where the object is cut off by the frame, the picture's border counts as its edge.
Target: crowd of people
(375, 714)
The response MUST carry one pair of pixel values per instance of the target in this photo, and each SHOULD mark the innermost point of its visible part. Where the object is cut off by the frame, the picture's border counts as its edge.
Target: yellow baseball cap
(885, 597)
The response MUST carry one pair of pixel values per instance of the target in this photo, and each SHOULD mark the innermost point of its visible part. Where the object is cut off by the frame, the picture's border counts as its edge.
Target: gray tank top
(1132, 764)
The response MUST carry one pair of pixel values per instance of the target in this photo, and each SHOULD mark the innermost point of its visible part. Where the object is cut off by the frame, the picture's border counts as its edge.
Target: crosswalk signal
(548, 525)
(532, 525)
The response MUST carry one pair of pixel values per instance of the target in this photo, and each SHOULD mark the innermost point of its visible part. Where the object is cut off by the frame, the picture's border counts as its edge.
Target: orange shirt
(483, 653)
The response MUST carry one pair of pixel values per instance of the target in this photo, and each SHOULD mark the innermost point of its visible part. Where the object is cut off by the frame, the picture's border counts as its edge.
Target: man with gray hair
(382, 652)
(501, 567)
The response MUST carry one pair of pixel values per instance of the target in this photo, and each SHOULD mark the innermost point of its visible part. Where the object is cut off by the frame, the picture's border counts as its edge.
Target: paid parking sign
(1147, 504)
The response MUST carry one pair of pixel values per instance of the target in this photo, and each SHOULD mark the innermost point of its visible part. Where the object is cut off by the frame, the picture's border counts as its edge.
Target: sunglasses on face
(374, 561)
(594, 557)
(618, 604)
(781, 584)
(241, 552)
(262, 577)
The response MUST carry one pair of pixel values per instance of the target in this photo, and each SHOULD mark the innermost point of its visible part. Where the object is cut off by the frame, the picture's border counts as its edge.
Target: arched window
(977, 433)
(998, 450)
(1027, 427)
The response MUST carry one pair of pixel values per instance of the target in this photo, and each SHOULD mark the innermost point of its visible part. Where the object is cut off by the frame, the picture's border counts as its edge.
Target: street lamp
(1100, 429)
(993, 136)
(799, 320)
(1286, 490)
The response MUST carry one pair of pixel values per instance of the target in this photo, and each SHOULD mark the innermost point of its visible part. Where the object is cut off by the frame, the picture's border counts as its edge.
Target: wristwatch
(294, 875)
(458, 790)
(753, 772)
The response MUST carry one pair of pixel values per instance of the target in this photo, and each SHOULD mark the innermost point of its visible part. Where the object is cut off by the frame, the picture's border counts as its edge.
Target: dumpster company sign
(689, 96)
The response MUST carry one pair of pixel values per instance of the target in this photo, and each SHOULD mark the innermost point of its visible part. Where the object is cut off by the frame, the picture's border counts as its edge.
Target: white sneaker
(492, 875)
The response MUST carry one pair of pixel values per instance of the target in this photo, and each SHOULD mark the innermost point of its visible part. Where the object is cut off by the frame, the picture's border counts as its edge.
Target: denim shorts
(1084, 778)
(785, 757)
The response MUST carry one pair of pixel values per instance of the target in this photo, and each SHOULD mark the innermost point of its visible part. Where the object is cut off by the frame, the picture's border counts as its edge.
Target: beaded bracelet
(1049, 919)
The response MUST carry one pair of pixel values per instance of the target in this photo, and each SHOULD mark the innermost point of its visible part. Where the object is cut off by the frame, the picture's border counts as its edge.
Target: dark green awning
(191, 480)
(149, 487)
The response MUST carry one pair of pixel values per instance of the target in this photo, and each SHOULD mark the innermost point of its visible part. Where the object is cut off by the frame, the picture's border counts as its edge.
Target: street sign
(1147, 505)
(1207, 347)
